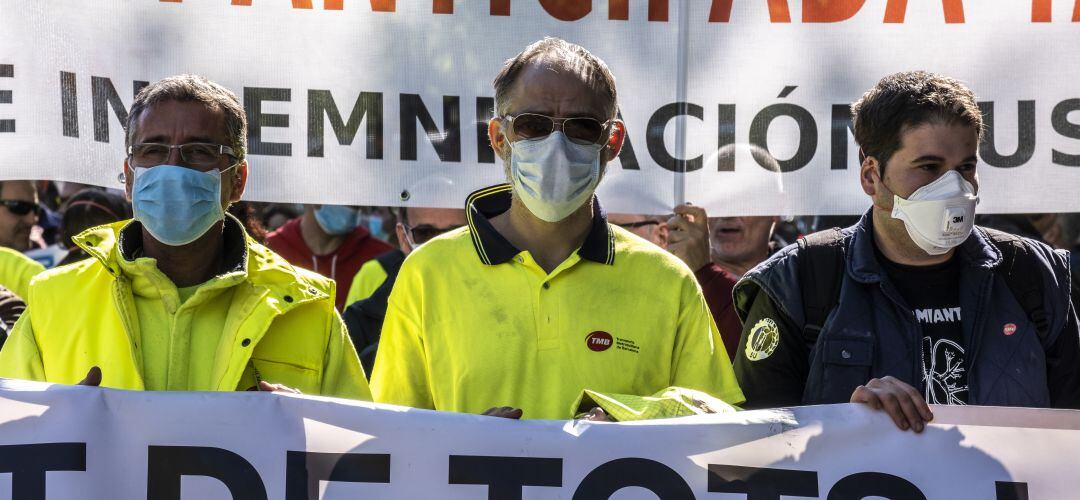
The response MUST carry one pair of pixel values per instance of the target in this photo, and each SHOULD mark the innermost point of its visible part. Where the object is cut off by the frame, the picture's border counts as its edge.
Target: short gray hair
(559, 54)
(193, 88)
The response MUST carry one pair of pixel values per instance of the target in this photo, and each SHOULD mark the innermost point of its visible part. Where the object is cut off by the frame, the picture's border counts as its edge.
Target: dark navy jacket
(871, 333)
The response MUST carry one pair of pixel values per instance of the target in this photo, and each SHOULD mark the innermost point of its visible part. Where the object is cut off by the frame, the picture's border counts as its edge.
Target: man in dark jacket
(913, 304)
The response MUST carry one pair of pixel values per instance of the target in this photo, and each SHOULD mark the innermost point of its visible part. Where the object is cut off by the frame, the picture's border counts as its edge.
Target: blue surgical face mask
(375, 225)
(176, 205)
(337, 219)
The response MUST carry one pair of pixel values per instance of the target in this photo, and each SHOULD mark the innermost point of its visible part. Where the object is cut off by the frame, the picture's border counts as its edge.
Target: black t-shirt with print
(933, 294)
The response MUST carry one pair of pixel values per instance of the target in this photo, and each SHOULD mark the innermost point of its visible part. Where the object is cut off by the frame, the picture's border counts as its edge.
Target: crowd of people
(530, 301)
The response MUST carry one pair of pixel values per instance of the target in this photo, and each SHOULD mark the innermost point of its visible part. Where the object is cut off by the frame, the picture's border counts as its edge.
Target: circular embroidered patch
(764, 338)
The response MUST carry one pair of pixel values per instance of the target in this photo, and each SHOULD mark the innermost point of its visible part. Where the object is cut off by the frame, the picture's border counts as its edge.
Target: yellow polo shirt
(474, 323)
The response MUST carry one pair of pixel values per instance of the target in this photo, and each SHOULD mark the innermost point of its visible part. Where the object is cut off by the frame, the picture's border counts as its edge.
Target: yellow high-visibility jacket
(279, 324)
(16, 271)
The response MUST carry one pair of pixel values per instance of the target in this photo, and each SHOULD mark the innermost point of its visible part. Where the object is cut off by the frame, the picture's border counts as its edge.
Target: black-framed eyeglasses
(640, 223)
(199, 155)
(581, 129)
(21, 207)
(423, 233)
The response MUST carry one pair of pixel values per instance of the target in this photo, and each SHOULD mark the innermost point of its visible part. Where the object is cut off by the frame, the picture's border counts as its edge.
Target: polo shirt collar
(493, 248)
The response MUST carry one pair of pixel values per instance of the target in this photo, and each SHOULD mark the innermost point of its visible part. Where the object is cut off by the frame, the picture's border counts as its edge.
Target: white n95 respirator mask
(939, 216)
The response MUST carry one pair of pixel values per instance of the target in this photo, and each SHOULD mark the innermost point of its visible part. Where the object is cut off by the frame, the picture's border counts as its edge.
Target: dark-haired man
(539, 298)
(913, 304)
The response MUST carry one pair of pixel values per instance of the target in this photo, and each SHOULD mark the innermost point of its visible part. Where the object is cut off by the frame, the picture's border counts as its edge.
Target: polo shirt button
(288, 298)
(519, 260)
(245, 343)
(547, 285)
(845, 354)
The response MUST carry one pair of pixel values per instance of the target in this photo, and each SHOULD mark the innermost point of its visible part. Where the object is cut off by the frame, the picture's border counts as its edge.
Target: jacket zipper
(118, 296)
(918, 375)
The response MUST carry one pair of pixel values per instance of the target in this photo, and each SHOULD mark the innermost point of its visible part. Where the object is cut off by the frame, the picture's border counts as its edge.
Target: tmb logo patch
(599, 341)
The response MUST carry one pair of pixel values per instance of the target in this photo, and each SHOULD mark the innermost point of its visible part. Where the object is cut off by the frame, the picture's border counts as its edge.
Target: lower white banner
(77, 442)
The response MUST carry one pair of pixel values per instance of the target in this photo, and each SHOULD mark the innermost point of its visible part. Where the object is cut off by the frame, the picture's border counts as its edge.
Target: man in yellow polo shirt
(539, 298)
(180, 298)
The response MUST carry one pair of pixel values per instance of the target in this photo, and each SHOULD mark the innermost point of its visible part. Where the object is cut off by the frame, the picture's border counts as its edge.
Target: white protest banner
(384, 102)
(87, 443)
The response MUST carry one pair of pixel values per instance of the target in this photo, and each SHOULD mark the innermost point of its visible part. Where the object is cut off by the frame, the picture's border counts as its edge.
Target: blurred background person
(372, 285)
(19, 215)
(740, 243)
(248, 215)
(330, 240)
(651, 227)
(88, 208)
(17, 218)
(275, 215)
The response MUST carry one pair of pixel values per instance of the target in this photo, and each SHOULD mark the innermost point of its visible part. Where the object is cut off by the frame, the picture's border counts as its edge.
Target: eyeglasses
(21, 207)
(199, 155)
(424, 232)
(640, 223)
(582, 130)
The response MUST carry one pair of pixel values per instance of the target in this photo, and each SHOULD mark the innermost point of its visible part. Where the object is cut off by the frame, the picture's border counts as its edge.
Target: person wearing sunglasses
(17, 218)
(19, 214)
(373, 284)
(180, 298)
(654, 229)
(539, 298)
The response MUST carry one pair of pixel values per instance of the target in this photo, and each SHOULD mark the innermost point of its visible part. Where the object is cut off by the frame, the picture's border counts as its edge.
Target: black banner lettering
(505, 476)
(253, 99)
(304, 470)
(447, 142)
(615, 475)
(808, 135)
(104, 94)
(1011, 491)
(369, 107)
(627, 156)
(167, 464)
(726, 138)
(28, 464)
(1059, 118)
(485, 111)
(1025, 145)
(7, 125)
(874, 484)
(654, 136)
(841, 126)
(759, 483)
(69, 104)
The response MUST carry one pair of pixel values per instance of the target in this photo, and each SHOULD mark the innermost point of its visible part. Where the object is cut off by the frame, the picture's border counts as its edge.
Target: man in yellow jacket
(180, 298)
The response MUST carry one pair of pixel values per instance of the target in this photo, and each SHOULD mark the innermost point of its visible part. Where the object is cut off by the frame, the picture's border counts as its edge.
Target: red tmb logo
(599, 341)
(1009, 329)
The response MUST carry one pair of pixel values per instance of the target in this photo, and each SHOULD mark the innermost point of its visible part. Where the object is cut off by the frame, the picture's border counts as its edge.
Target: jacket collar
(247, 260)
(493, 248)
(862, 262)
